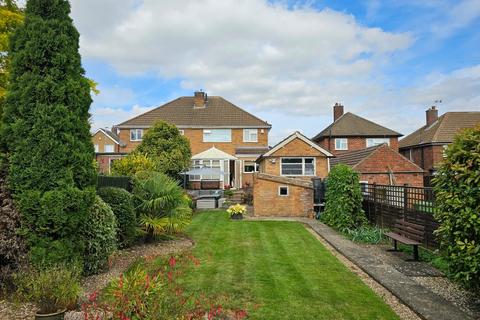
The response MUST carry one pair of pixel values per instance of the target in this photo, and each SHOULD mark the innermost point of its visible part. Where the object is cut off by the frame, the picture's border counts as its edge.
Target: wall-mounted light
(262, 130)
(273, 160)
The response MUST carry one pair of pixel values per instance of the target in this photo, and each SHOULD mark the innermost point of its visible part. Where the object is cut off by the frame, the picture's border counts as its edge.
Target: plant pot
(51, 316)
(237, 216)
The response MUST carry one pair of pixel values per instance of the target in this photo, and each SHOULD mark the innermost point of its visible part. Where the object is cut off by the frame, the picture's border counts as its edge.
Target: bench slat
(409, 231)
(401, 238)
(411, 225)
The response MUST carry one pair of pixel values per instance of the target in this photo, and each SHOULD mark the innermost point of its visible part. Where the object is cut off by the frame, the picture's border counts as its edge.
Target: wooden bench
(407, 233)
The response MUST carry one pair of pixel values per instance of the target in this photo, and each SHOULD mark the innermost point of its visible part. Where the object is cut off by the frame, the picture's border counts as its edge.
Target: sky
(287, 62)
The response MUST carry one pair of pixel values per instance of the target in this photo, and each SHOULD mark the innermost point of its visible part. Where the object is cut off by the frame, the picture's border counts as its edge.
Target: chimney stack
(432, 115)
(337, 111)
(200, 99)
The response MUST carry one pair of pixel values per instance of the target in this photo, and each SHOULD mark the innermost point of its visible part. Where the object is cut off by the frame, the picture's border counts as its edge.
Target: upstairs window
(298, 167)
(371, 142)
(250, 135)
(109, 148)
(341, 144)
(217, 135)
(136, 134)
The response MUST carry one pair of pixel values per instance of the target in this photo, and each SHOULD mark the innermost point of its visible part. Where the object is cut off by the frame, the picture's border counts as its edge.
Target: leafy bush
(152, 290)
(366, 234)
(343, 208)
(51, 224)
(457, 187)
(121, 203)
(163, 207)
(167, 148)
(132, 164)
(99, 234)
(12, 246)
(51, 289)
(237, 209)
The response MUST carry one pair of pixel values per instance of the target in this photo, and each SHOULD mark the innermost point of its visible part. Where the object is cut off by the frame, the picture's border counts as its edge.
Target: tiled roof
(350, 124)
(443, 130)
(353, 158)
(251, 150)
(181, 112)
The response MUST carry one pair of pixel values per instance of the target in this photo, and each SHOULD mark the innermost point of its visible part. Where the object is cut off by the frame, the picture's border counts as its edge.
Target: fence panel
(118, 182)
(384, 204)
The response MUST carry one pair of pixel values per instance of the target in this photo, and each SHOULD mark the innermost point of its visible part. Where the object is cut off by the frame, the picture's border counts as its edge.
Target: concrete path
(421, 300)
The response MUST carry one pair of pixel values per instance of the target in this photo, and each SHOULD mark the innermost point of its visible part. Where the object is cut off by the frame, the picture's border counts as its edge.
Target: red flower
(172, 261)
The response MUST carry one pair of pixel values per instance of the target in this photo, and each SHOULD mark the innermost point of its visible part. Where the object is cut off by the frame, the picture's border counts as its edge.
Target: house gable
(299, 145)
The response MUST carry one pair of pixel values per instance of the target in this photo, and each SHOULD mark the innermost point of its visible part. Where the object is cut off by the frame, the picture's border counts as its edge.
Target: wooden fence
(118, 182)
(384, 204)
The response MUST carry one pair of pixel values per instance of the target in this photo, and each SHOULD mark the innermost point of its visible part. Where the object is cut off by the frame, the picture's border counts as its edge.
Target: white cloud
(105, 117)
(255, 53)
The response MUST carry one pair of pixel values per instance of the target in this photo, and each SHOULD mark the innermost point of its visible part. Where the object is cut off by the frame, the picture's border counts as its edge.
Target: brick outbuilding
(382, 165)
(283, 186)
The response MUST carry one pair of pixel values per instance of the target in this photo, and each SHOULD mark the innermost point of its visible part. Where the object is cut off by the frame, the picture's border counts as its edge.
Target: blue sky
(288, 62)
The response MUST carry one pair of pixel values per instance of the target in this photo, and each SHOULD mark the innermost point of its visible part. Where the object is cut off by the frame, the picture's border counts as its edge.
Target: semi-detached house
(223, 137)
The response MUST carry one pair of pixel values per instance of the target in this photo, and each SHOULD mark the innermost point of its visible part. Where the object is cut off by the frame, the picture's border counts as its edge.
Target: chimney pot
(337, 111)
(199, 99)
(431, 115)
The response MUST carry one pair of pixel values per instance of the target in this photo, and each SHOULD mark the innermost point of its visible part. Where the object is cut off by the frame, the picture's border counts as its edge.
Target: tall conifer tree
(47, 132)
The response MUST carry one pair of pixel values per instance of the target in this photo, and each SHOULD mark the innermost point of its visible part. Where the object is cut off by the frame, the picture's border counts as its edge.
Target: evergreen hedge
(343, 207)
(457, 188)
(47, 134)
(121, 202)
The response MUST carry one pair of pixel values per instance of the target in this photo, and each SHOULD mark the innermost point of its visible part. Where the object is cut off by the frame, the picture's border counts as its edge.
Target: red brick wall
(377, 167)
(426, 157)
(103, 162)
(267, 202)
(354, 143)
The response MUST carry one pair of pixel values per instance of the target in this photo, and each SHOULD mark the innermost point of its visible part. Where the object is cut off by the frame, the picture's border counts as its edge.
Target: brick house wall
(354, 143)
(101, 139)
(378, 167)
(195, 136)
(268, 202)
(104, 161)
(427, 157)
(296, 148)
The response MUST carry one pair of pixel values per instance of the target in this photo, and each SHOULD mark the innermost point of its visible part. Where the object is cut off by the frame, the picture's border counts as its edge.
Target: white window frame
(256, 166)
(135, 133)
(283, 195)
(444, 150)
(109, 145)
(208, 135)
(303, 167)
(96, 147)
(248, 135)
(340, 145)
(372, 142)
(182, 132)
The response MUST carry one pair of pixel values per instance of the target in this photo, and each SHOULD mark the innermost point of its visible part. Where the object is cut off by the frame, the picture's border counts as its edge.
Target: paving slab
(421, 300)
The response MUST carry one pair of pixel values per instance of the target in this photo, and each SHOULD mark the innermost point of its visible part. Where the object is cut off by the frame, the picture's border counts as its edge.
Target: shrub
(457, 187)
(121, 203)
(343, 208)
(237, 209)
(163, 207)
(46, 131)
(51, 224)
(51, 289)
(99, 234)
(167, 148)
(12, 246)
(132, 164)
(366, 234)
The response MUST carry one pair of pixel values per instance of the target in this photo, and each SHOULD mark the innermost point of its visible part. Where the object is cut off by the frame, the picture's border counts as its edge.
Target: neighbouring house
(426, 146)
(225, 139)
(349, 132)
(107, 149)
(382, 165)
(283, 186)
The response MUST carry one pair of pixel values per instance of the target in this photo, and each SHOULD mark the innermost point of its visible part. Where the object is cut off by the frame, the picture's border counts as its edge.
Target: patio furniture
(407, 233)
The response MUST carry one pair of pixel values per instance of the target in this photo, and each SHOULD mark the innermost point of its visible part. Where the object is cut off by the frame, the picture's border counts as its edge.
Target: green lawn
(278, 270)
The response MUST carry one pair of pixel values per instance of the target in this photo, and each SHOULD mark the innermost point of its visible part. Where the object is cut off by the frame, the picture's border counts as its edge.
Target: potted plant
(51, 289)
(237, 211)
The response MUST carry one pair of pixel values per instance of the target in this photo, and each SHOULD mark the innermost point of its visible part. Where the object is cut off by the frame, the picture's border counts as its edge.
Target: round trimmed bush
(457, 188)
(100, 237)
(343, 208)
(121, 202)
